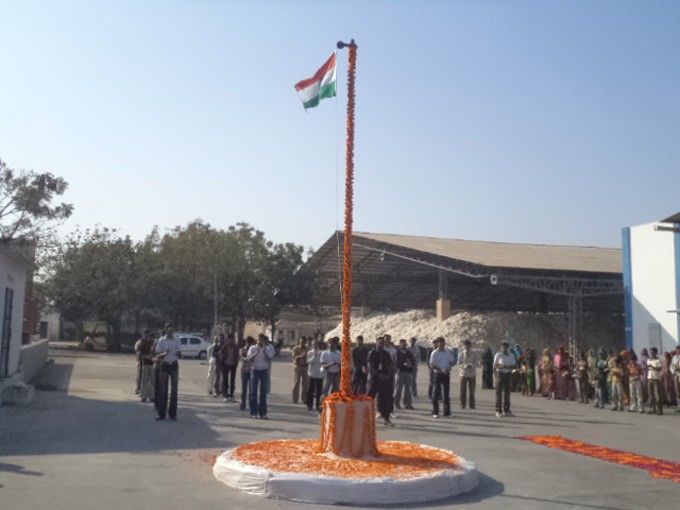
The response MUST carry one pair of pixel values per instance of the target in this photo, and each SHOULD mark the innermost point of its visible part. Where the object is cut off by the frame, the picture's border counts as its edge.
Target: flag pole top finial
(350, 44)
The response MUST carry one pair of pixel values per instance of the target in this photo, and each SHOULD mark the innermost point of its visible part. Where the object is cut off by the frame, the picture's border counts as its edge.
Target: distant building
(651, 276)
(292, 325)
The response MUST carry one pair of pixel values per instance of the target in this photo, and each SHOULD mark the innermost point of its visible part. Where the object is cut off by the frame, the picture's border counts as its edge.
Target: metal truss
(561, 286)
(453, 266)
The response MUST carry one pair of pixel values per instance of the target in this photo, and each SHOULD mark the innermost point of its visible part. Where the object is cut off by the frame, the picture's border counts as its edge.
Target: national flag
(320, 86)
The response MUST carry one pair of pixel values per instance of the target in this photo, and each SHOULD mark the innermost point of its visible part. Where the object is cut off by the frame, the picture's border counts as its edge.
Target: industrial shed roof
(510, 255)
(400, 272)
(672, 219)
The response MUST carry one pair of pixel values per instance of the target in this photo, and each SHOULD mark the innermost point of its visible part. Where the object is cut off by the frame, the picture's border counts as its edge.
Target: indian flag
(320, 86)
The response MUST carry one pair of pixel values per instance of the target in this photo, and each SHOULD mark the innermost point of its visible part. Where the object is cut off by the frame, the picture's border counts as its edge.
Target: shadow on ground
(59, 423)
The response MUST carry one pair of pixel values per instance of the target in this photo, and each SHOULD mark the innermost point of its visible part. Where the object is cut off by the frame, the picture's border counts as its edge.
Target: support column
(443, 309)
(443, 303)
(575, 322)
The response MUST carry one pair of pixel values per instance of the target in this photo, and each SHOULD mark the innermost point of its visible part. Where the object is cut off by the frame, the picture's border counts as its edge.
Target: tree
(191, 276)
(26, 209)
(186, 275)
(92, 279)
(145, 292)
(279, 283)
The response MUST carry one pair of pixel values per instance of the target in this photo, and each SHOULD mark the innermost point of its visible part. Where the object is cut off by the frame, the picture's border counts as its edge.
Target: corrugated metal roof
(510, 255)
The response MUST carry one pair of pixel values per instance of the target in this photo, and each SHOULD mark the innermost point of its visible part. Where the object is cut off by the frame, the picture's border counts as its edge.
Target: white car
(193, 346)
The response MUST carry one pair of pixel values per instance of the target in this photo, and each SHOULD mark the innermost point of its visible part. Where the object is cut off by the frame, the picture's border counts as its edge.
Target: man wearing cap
(504, 364)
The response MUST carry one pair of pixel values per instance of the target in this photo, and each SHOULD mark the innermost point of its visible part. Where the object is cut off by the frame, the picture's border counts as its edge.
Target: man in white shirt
(168, 353)
(330, 364)
(441, 361)
(504, 363)
(260, 356)
(654, 382)
(315, 377)
(467, 362)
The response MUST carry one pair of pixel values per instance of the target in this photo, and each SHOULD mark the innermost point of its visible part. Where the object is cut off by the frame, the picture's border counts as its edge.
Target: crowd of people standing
(388, 372)
(619, 380)
(158, 371)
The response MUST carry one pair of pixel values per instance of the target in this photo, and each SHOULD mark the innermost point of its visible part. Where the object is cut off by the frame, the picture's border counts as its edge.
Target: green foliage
(187, 276)
(91, 277)
(26, 209)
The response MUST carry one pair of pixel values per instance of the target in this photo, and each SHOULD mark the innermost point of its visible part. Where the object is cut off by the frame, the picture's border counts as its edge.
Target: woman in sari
(530, 357)
(561, 366)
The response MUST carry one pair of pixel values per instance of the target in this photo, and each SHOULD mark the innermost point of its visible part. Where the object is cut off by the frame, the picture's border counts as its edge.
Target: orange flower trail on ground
(657, 468)
(397, 459)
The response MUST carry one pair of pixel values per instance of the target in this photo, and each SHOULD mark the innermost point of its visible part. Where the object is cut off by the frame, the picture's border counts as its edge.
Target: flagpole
(346, 366)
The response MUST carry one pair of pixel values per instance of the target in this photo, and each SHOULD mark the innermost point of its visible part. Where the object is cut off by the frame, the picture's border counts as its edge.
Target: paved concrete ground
(87, 442)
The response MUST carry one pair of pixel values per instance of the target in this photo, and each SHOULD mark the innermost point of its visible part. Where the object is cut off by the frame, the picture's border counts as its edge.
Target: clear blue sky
(524, 121)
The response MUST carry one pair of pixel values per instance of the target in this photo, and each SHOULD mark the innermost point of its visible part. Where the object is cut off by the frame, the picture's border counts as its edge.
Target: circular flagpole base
(291, 470)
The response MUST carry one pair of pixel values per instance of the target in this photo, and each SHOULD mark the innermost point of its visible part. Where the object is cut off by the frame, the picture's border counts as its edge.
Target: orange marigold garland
(329, 441)
(656, 467)
(398, 460)
(346, 370)
(371, 430)
(346, 438)
(329, 419)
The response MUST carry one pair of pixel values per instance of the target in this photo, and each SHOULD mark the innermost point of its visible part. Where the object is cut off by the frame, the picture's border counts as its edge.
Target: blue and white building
(651, 279)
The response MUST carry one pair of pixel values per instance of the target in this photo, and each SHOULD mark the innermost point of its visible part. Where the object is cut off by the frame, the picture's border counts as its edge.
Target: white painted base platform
(328, 490)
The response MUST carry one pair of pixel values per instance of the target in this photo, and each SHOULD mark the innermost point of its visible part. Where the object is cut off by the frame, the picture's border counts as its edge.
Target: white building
(15, 262)
(651, 278)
